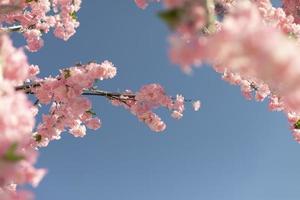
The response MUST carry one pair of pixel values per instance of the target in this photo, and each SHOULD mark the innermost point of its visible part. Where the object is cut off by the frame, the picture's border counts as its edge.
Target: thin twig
(122, 97)
(27, 88)
(16, 28)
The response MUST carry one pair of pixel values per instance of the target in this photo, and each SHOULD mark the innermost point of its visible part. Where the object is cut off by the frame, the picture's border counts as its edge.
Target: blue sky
(232, 149)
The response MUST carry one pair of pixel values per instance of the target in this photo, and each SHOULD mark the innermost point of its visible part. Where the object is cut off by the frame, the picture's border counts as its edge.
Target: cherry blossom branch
(36, 18)
(209, 6)
(16, 28)
(27, 88)
(71, 111)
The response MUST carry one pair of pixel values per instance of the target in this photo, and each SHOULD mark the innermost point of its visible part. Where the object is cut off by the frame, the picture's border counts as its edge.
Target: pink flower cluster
(292, 7)
(14, 61)
(69, 109)
(258, 61)
(66, 21)
(34, 21)
(245, 53)
(279, 19)
(8, 193)
(17, 155)
(148, 98)
(253, 45)
(72, 111)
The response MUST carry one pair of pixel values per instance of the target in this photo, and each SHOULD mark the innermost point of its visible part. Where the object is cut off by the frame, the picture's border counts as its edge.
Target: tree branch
(16, 28)
(27, 88)
(92, 92)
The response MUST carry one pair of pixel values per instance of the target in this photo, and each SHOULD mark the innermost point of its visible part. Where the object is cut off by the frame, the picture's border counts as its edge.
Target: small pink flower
(33, 71)
(141, 3)
(296, 135)
(34, 40)
(78, 131)
(176, 115)
(93, 123)
(196, 105)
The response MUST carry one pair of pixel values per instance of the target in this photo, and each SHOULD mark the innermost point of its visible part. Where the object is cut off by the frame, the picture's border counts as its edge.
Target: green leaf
(73, 15)
(38, 138)
(297, 124)
(67, 73)
(171, 17)
(11, 155)
(91, 112)
(28, 1)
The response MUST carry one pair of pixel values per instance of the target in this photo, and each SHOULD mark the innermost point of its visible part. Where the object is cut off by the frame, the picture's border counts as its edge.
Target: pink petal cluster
(246, 53)
(35, 19)
(66, 22)
(148, 98)
(292, 7)
(260, 64)
(17, 156)
(9, 193)
(15, 139)
(187, 48)
(253, 45)
(278, 18)
(196, 105)
(69, 110)
(13, 61)
(186, 53)
(293, 119)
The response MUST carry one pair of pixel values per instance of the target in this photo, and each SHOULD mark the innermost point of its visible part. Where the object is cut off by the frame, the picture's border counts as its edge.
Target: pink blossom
(262, 92)
(149, 97)
(93, 123)
(292, 7)
(17, 155)
(196, 105)
(13, 61)
(12, 194)
(69, 108)
(142, 3)
(176, 114)
(296, 135)
(109, 71)
(153, 121)
(78, 131)
(34, 41)
(33, 71)
(40, 16)
(275, 104)
(178, 104)
(152, 93)
(186, 52)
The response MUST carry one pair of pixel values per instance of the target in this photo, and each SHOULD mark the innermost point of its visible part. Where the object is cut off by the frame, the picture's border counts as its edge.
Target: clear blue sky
(232, 149)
